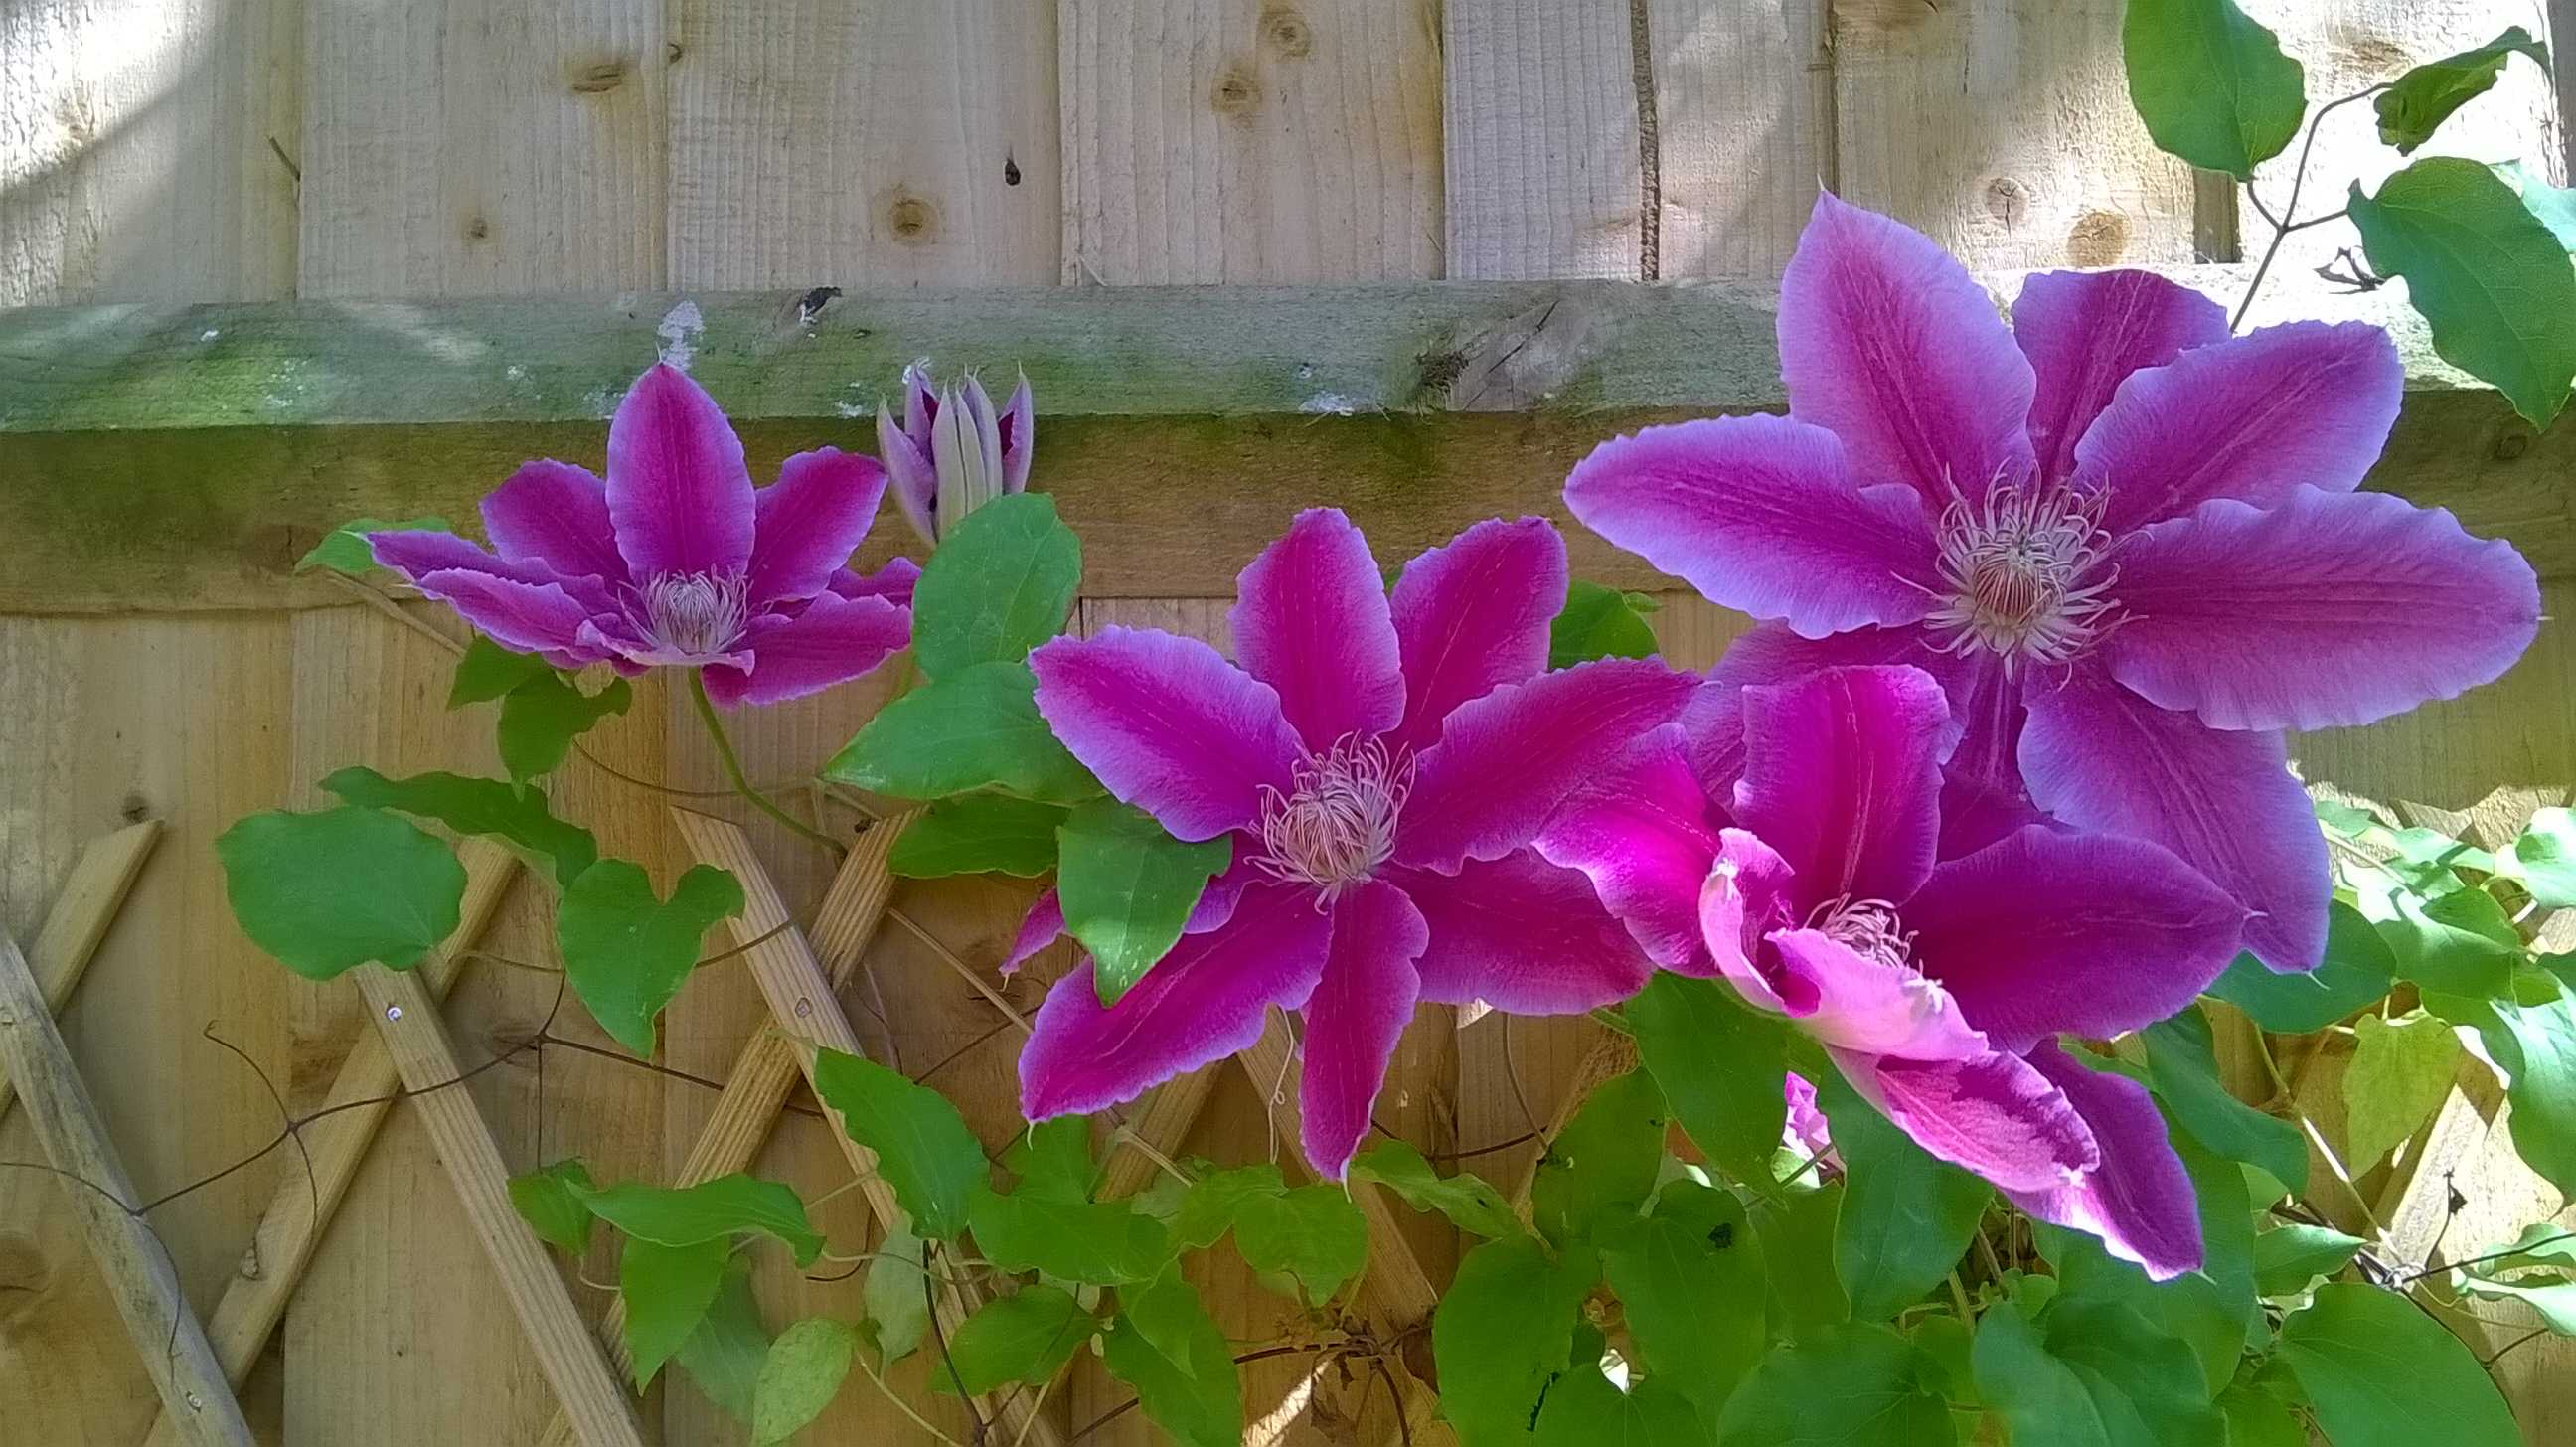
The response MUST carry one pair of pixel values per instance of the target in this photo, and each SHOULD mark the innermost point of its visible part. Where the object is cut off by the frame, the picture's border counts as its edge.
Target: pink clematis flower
(2127, 544)
(1814, 883)
(677, 560)
(1381, 766)
(953, 452)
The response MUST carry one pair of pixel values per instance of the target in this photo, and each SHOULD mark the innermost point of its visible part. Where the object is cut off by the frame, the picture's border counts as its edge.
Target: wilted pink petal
(1992, 1114)
(1522, 935)
(556, 513)
(2139, 1201)
(832, 640)
(1805, 1128)
(809, 521)
(1472, 615)
(1641, 831)
(1311, 621)
(1868, 1004)
(1842, 775)
(2085, 332)
(1354, 1017)
(1042, 926)
(909, 474)
(679, 495)
(1168, 725)
(1749, 893)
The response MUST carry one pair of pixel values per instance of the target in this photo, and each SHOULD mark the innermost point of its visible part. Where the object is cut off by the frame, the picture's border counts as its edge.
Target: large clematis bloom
(1381, 765)
(1815, 884)
(2127, 544)
(677, 560)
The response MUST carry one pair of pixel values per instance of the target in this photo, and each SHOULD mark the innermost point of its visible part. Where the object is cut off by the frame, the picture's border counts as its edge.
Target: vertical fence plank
(1542, 152)
(1744, 119)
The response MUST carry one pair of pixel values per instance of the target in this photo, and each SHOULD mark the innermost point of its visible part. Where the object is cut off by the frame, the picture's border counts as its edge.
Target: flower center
(695, 613)
(1868, 928)
(2025, 575)
(1337, 823)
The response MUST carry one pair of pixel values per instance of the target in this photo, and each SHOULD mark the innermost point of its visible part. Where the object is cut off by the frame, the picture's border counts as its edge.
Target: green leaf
(2382, 1373)
(345, 549)
(2288, 1258)
(1127, 888)
(2535, 1046)
(1471, 1202)
(330, 891)
(1312, 1234)
(998, 585)
(1797, 1234)
(2259, 1419)
(1720, 1064)
(1599, 622)
(1164, 1347)
(2417, 103)
(541, 717)
(723, 1356)
(668, 1290)
(1690, 1276)
(980, 834)
(1053, 1159)
(1602, 1165)
(1502, 1332)
(625, 952)
(476, 806)
(2145, 1384)
(975, 729)
(1584, 1410)
(554, 1200)
(2489, 277)
(2550, 1293)
(2543, 857)
(897, 1305)
(489, 671)
(1943, 1343)
(1023, 1337)
(2357, 972)
(2212, 86)
(2400, 1074)
(2555, 206)
(714, 1210)
(1906, 1217)
(2184, 1064)
(806, 1367)
(2461, 943)
(1101, 1243)
(922, 1145)
(1216, 1199)
(2039, 1397)
(1845, 1386)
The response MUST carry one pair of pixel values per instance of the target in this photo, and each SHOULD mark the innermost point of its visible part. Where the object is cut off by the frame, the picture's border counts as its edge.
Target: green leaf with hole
(978, 728)
(923, 1148)
(1502, 1332)
(1024, 1337)
(724, 1355)
(712, 1210)
(668, 1290)
(2357, 972)
(1599, 622)
(492, 807)
(2416, 103)
(1471, 1202)
(1855, 1385)
(1690, 1277)
(980, 834)
(898, 1305)
(2543, 857)
(2183, 1062)
(1906, 1217)
(804, 1372)
(488, 671)
(2484, 272)
(1602, 1165)
(345, 549)
(329, 891)
(2289, 1257)
(1100, 1243)
(542, 716)
(1312, 1235)
(2381, 1372)
(1720, 1064)
(1001, 583)
(2400, 1074)
(626, 953)
(1166, 1349)
(2212, 86)
(555, 1201)
(1127, 888)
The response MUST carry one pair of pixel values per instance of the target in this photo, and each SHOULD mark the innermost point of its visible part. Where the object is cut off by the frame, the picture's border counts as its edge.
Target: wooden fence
(1413, 188)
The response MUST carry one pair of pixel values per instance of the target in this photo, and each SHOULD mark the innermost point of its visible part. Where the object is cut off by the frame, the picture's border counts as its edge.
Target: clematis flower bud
(953, 451)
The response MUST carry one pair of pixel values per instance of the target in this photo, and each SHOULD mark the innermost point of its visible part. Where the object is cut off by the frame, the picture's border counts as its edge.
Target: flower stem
(2288, 221)
(733, 767)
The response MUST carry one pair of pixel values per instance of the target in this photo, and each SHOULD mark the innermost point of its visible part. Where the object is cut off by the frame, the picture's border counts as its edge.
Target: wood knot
(477, 229)
(1237, 93)
(24, 1275)
(2512, 442)
(2007, 200)
(1288, 32)
(134, 810)
(2098, 238)
(597, 77)
(911, 219)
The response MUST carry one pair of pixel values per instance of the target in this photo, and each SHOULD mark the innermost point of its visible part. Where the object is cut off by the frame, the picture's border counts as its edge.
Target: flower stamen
(2025, 575)
(1336, 824)
(697, 614)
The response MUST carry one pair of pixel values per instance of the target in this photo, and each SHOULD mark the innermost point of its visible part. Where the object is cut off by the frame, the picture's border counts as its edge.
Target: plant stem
(860, 1358)
(733, 767)
(2289, 221)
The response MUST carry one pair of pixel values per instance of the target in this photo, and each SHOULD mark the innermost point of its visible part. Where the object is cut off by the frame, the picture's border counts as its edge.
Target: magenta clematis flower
(953, 452)
(2129, 546)
(1815, 884)
(1381, 766)
(677, 560)
(1805, 1129)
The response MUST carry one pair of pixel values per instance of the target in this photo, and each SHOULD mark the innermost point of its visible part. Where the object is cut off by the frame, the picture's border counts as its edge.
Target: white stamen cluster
(695, 613)
(1336, 825)
(1868, 928)
(2025, 575)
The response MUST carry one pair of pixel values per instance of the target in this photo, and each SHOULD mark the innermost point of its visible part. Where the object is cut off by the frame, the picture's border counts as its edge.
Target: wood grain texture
(1545, 173)
(80, 918)
(1744, 111)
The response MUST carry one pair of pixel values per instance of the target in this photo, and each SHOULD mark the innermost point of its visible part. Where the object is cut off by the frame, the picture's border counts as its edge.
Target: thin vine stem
(733, 767)
(2289, 221)
(860, 1358)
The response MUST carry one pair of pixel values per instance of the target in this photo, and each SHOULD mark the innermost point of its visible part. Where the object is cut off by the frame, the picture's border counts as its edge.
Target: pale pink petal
(2139, 1201)
(2248, 418)
(1641, 832)
(1852, 1001)
(1168, 725)
(1199, 1004)
(1805, 1127)
(1522, 935)
(1760, 515)
(809, 521)
(678, 492)
(1354, 1017)
(833, 640)
(894, 582)
(2051, 930)
(2085, 332)
(1473, 614)
(1992, 1114)
(1889, 344)
(2327, 609)
(1507, 760)
(555, 513)
(909, 474)
(1842, 775)
(1749, 893)
(2102, 758)
(1041, 927)
(1311, 621)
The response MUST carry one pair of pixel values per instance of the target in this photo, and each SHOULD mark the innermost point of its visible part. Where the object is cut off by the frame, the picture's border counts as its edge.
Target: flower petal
(1849, 1001)
(1641, 832)
(1474, 614)
(908, 472)
(2139, 1200)
(678, 492)
(1522, 935)
(894, 582)
(2100, 757)
(1507, 760)
(1750, 892)
(1759, 514)
(2085, 332)
(833, 640)
(1200, 1003)
(2327, 609)
(1042, 926)
(1842, 775)
(1889, 344)
(1168, 725)
(2248, 418)
(1019, 437)
(529, 617)
(1353, 1019)
(2051, 930)
(554, 513)
(1993, 1114)
(809, 521)
(1311, 621)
